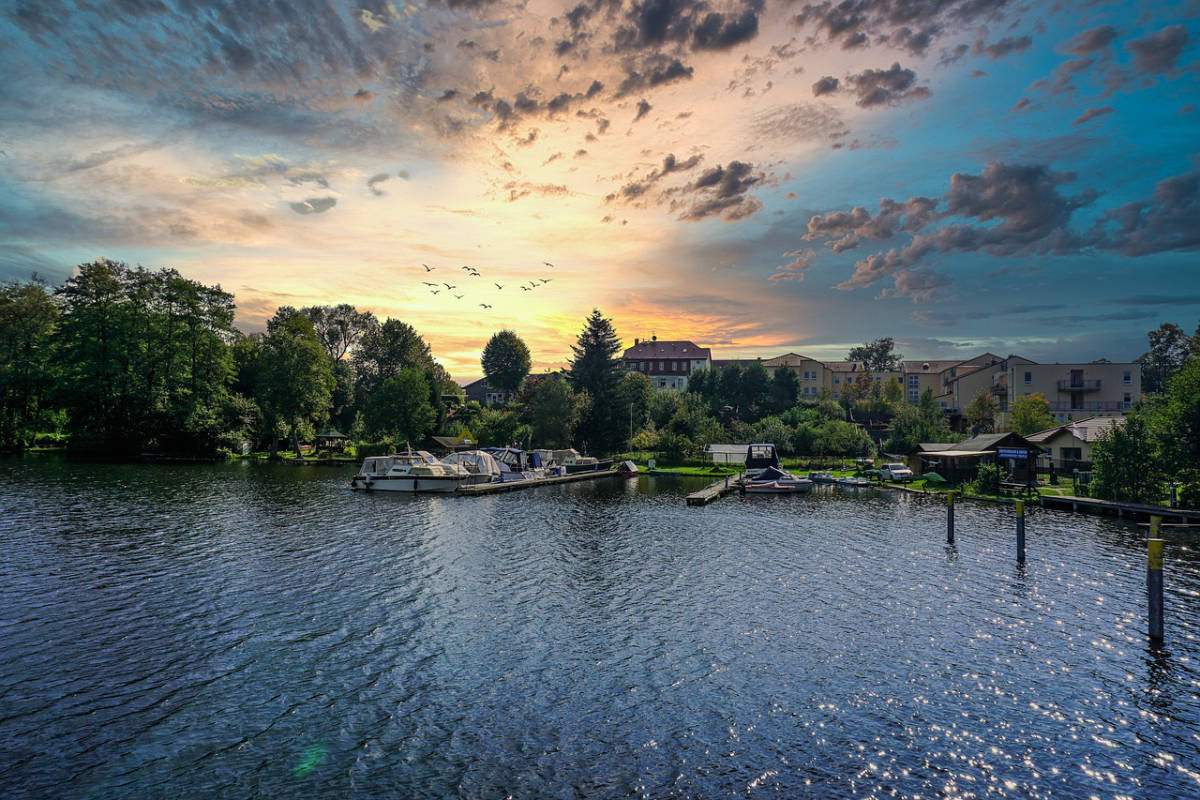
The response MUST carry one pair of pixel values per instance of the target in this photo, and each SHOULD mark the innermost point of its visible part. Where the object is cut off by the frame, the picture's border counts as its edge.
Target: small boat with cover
(764, 475)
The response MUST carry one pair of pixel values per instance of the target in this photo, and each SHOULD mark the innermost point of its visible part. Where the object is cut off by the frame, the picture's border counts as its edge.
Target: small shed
(1069, 447)
(960, 461)
(727, 453)
(332, 440)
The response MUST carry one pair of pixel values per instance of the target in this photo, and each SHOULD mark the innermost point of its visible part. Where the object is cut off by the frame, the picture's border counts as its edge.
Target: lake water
(261, 631)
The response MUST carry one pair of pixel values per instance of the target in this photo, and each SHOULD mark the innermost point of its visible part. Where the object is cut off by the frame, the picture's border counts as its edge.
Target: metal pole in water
(1154, 579)
(950, 517)
(1020, 531)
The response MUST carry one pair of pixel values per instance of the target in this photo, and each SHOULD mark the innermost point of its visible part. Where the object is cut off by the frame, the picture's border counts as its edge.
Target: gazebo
(332, 440)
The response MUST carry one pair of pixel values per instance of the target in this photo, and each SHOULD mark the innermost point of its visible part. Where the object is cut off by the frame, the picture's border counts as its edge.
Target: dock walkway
(714, 490)
(512, 486)
(1133, 510)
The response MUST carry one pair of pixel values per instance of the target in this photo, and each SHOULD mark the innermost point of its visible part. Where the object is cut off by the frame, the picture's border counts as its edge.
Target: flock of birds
(474, 273)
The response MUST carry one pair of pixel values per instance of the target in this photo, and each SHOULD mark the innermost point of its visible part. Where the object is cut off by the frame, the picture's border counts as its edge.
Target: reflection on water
(261, 632)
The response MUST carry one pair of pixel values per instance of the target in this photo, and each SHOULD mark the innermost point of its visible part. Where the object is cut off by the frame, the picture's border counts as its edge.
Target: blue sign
(1012, 452)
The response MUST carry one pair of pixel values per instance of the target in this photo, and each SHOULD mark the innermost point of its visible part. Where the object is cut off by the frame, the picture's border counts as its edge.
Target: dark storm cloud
(826, 85)
(1003, 47)
(718, 32)
(876, 87)
(1157, 53)
(655, 24)
(314, 205)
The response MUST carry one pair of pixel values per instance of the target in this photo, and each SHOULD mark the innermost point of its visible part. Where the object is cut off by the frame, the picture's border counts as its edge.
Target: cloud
(643, 108)
(718, 32)
(670, 165)
(911, 26)
(826, 85)
(1158, 300)
(374, 182)
(1169, 221)
(314, 205)
(1092, 113)
(794, 270)
(919, 285)
(722, 191)
(1157, 53)
(656, 70)
(1003, 47)
(876, 87)
(1092, 40)
(364, 96)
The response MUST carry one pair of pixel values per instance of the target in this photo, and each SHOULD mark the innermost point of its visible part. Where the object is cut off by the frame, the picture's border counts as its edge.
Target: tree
(729, 387)
(1175, 421)
(785, 389)
(1125, 462)
(28, 319)
(339, 328)
(893, 392)
(295, 375)
(1030, 414)
(399, 408)
(1169, 347)
(980, 413)
(596, 369)
(877, 356)
(637, 394)
(505, 361)
(914, 424)
(754, 391)
(552, 411)
(387, 350)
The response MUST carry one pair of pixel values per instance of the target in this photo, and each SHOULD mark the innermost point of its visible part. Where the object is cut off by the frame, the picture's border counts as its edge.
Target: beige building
(1069, 446)
(1074, 391)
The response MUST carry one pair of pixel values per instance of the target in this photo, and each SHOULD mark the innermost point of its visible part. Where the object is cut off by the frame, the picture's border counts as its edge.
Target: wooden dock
(1135, 511)
(512, 486)
(714, 490)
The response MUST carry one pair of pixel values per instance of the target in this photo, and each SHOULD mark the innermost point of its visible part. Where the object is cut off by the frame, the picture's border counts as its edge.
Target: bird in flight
(546, 280)
(525, 288)
(448, 286)
(547, 263)
(427, 283)
(498, 286)
(435, 291)
(484, 305)
(459, 296)
(428, 268)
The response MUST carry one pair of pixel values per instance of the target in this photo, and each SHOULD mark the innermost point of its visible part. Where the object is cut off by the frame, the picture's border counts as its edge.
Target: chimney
(635, 341)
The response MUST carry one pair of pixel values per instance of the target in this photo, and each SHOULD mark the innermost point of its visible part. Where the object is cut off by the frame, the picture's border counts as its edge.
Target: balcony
(1072, 385)
(1000, 388)
(1096, 405)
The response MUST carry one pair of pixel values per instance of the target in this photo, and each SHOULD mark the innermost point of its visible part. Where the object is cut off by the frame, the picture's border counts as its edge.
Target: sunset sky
(757, 177)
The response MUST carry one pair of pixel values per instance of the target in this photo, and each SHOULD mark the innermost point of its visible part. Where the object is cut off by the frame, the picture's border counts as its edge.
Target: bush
(987, 480)
(382, 448)
(50, 440)
(1189, 495)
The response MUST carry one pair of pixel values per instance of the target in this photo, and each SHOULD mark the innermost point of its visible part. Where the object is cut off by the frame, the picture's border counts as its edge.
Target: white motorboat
(851, 482)
(769, 477)
(412, 471)
(481, 467)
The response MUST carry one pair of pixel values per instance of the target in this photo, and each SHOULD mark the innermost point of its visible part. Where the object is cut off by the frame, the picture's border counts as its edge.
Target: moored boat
(768, 477)
(851, 482)
(480, 467)
(411, 471)
(822, 477)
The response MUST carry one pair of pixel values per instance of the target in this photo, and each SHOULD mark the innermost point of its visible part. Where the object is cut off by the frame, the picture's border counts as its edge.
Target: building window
(914, 381)
(836, 381)
(1127, 378)
(1072, 453)
(1028, 378)
(835, 396)
(1127, 401)
(672, 363)
(660, 367)
(913, 395)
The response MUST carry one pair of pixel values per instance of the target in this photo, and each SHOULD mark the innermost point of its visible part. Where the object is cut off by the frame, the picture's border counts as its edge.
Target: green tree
(1029, 414)
(754, 391)
(729, 392)
(1169, 347)
(980, 413)
(1176, 423)
(1126, 464)
(552, 411)
(500, 427)
(636, 395)
(399, 408)
(506, 361)
(339, 328)
(385, 351)
(914, 424)
(877, 356)
(28, 320)
(893, 392)
(295, 375)
(596, 369)
(785, 389)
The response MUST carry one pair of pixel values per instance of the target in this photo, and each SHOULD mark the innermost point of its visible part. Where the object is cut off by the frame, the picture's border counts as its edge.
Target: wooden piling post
(950, 517)
(1020, 531)
(1154, 579)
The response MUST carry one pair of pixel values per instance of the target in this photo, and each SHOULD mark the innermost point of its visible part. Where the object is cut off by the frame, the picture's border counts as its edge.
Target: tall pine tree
(596, 369)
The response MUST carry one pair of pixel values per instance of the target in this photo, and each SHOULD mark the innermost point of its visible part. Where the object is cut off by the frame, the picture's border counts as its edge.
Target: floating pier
(1187, 516)
(713, 491)
(512, 486)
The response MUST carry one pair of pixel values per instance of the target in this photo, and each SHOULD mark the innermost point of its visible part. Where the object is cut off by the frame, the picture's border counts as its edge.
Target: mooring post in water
(1154, 578)
(950, 517)
(1020, 531)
